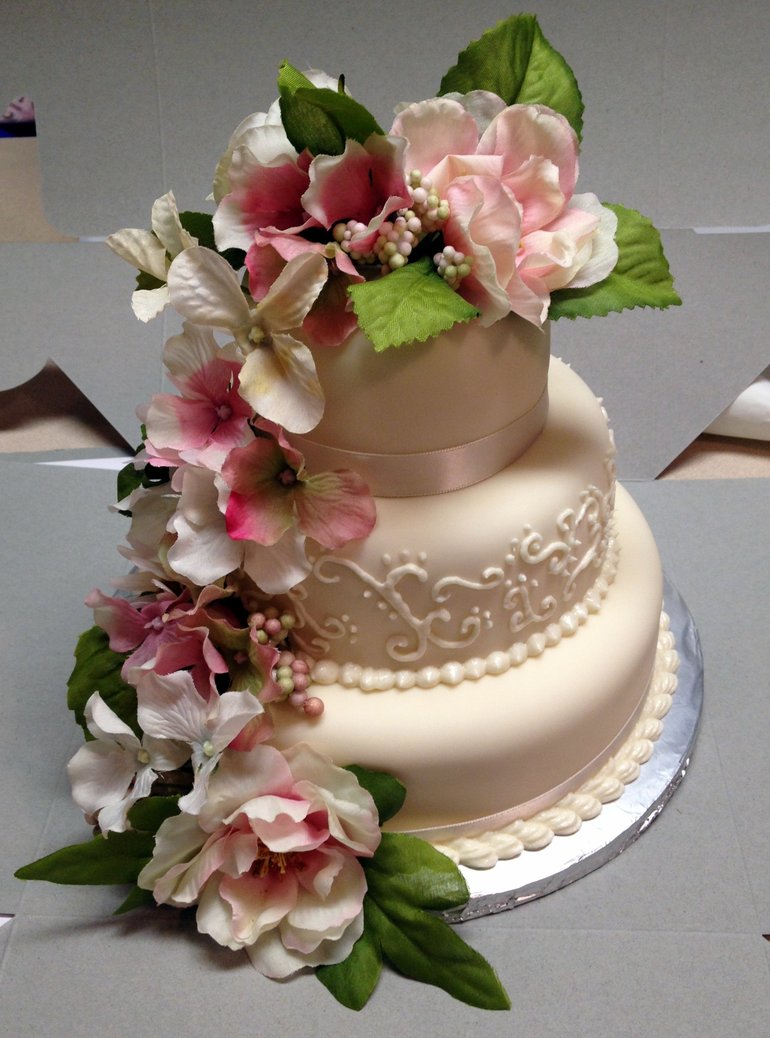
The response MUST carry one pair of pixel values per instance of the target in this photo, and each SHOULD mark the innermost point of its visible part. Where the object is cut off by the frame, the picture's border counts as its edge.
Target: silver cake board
(534, 874)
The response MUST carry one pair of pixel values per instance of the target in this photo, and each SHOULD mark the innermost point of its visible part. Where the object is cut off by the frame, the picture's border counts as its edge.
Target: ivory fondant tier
(506, 745)
(445, 581)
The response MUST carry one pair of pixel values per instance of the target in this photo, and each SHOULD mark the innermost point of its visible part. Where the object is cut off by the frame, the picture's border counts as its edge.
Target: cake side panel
(486, 746)
(427, 396)
(447, 580)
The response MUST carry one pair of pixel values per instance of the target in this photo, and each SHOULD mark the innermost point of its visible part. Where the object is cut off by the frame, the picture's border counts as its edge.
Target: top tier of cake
(449, 585)
(431, 417)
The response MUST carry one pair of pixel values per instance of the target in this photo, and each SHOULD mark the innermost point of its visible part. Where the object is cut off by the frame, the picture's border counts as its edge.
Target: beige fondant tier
(449, 585)
(431, 417)
(508, 745)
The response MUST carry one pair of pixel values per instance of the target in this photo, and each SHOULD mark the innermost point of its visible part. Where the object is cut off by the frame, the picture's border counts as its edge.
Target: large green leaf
(386, 792)
(515, 61)
(97, 669)
(424, 947)
(201, 226)
(149, 813)
(408, 880)
(641, 276)
(137, 898)
(409, 870)
(409, 305)
(353, 980)
(318, 119)
(118, 858)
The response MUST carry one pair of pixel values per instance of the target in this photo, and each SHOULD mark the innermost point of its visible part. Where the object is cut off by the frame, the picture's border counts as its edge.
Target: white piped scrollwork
(535, 582)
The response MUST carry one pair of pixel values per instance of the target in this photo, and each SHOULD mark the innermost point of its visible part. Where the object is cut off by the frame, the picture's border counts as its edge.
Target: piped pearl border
(484, 849)
(382, 679)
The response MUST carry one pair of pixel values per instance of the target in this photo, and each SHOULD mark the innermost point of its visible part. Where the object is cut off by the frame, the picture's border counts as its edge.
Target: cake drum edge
(534, 874)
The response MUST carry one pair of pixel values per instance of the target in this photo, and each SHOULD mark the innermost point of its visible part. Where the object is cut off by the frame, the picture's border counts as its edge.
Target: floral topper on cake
(464, 210)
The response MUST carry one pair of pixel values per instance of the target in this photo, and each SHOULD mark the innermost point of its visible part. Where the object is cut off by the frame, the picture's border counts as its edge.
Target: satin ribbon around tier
(432, 472)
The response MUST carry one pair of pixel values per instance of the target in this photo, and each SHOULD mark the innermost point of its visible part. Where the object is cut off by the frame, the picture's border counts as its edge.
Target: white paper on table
(749, 415)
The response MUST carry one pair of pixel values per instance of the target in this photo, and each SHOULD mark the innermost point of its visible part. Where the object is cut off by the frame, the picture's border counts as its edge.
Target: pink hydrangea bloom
(165, 632)
(271, 859)
(209, 417)
(270, 494)
(204, 552)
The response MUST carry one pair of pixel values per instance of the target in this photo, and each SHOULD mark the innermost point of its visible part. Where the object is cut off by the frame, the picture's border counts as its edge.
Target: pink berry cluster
(290, 673)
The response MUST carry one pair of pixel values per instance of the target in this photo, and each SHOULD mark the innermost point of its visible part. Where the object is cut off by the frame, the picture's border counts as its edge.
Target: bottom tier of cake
(482, 754)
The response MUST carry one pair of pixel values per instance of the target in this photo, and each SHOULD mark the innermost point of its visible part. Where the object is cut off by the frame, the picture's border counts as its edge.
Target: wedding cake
(387, 608)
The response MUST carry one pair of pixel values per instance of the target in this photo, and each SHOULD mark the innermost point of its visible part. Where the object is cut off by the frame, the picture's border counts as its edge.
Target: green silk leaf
(350, 117)
(422, 946)
(405, 868)
(137, 898)
(129, 480)
(641, 276)
(149, 813)
(146, 282)
(353, 980)
(386, 792)
(318, 119)
(515, 61)
(97, 669)
(306, 125)
(118, 858)
(201, 226)
(409, 305)
(408, 880)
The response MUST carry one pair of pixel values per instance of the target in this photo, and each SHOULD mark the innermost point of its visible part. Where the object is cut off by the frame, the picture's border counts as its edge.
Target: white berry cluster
(452, 265)
(401, 234)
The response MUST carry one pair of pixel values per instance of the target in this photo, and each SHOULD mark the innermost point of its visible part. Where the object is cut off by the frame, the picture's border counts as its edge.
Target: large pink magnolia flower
(271, 859)
(508, 174)
(210, 416)
(270, 494)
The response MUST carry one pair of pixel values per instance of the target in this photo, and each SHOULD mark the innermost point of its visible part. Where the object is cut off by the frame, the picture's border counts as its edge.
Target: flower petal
(335, 507)
(293, 292)
(280, 382)
(141, 249)
(204, 289)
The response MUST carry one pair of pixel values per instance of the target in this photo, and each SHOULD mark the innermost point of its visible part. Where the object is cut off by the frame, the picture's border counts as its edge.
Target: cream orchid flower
(116, 769)
(170, 707)
(152, 252)
(278, 377)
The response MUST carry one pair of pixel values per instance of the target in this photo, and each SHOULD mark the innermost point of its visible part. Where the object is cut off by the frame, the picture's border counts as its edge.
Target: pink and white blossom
(509, 176)
(209, 417)
(278, 377)
(203, 551)
(170, 707)
(271, 858)
(116, 769)
(271, 494)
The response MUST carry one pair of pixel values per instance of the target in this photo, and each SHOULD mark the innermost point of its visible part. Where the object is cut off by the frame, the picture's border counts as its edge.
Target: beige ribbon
(431, 472)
